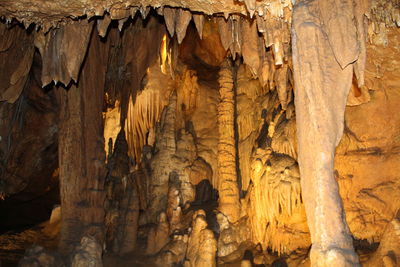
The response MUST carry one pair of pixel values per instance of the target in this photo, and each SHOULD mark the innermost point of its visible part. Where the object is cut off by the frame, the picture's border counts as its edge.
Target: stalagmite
(158, 237)
(88, 253)
(69, 44)
(39, 256)
(202, 245)
(122, 203)
(174, 211)
(323, 75)
(227, 179)
(388, 252)
(162, 164)
(173, 253)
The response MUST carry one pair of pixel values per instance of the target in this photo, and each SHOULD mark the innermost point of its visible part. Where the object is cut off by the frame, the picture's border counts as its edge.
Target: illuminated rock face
(323, 71)
(254, 108)
(202, 245)
(227, 176)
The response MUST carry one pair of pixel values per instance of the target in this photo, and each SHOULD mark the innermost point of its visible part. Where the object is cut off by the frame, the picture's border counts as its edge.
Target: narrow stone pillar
(228, 189)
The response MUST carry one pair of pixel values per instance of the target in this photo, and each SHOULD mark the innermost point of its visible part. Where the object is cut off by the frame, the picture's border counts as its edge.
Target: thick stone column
(323, 58)
(81, 151)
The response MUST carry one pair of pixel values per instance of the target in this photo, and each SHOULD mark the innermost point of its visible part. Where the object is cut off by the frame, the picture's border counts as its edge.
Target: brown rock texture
(88, 253)
(81, 151)
(69, 44)
(17, 46)
(158, 237)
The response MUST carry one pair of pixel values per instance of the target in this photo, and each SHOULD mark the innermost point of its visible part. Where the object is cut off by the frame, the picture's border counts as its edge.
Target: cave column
(81, 151)
(227, 178)
(321, 89)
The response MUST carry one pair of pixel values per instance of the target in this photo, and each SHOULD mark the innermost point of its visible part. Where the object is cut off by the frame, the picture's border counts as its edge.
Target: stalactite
(16, 46)
(250, 49)
(198, 20)
(182, 21)
(275, 197)
(248, 97)
(169, 17)
(225, 28)
(141, 118)
(282, 85)
(177, 21)
(227, 178)
(284, 139)
(112, 126)
(102, 25)
(145, 112)
(69, 45)
(139, 49)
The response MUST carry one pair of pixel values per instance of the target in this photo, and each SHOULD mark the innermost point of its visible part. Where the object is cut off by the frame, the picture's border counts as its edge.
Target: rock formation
(88, 253)
(199, 133)
(202, 245)
(227, 176)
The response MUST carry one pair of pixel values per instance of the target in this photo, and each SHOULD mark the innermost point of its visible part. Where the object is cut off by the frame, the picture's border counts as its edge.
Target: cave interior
(200, 133)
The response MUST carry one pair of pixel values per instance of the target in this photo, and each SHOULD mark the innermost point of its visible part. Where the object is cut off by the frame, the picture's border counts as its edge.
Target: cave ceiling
(56, 11)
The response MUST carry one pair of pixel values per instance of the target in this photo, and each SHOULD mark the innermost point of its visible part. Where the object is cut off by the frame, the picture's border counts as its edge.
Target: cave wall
(366, 159)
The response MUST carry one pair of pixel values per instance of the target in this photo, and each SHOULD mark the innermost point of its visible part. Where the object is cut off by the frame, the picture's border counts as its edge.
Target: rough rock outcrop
(89, 253)
(202, 246)
(37, 256)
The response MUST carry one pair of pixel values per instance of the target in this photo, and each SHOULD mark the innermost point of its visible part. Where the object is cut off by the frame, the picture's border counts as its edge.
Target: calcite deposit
(199, 133)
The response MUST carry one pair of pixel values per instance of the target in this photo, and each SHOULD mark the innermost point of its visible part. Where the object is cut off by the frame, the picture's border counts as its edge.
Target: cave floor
(14, 243)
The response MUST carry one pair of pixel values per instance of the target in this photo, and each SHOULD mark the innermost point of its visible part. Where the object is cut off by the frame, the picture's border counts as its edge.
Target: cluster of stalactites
(145, 112)
(275, 196)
